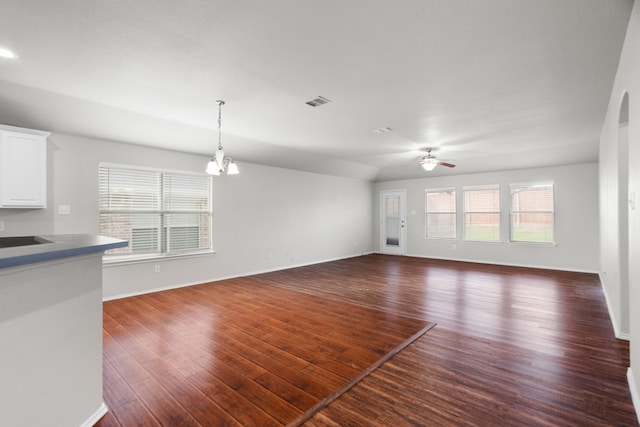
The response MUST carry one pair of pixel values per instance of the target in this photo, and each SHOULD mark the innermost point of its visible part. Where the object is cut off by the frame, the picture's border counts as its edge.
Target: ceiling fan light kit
(428, 166)
(429, 162)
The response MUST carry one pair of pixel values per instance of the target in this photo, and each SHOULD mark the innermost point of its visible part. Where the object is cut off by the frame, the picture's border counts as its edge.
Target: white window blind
(440, 208)
(532, 213)
(482, 213)
(158, 212)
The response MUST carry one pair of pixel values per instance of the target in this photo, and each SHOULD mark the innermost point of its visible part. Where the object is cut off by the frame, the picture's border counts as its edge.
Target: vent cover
(321, 100)
(385, 129)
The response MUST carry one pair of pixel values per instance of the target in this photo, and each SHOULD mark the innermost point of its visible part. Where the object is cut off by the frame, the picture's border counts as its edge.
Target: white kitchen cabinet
(23, 168)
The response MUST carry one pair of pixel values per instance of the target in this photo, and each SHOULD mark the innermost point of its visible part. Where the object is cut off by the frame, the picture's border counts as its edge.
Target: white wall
(576, 219)
(627, 80)
(265, 218)
(51, 340)
(613, 173)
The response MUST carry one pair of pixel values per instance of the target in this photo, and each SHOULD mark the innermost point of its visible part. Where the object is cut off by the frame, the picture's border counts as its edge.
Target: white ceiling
(490, 84)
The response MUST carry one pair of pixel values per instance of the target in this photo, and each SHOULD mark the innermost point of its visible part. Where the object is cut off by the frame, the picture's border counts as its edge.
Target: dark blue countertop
(58, 247)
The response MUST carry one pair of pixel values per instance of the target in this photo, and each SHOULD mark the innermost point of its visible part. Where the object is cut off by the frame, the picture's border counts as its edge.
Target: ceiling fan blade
(448, 165)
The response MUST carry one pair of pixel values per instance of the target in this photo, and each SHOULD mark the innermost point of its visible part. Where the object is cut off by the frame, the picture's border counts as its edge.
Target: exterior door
(392, 222)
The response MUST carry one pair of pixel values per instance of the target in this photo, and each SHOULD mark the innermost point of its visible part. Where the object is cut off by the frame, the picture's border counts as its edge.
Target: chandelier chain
(220, 104)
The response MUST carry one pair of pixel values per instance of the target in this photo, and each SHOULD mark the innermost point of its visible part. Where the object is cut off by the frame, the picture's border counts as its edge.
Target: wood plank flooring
(239, 352)
(513, 346)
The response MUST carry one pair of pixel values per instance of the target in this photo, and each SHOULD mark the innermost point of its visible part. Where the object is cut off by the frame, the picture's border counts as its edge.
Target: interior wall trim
(506, 264)
(635, 399)
(217, 279)
(616, 329)
(95, 417)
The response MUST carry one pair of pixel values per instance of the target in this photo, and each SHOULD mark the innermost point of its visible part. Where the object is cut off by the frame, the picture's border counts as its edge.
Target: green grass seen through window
(482, 233)
(535, 234)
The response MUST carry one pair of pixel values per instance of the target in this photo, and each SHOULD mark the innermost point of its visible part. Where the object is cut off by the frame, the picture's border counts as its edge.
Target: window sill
(539, 244)
(446, 239)
(112, 261)
(491, 242)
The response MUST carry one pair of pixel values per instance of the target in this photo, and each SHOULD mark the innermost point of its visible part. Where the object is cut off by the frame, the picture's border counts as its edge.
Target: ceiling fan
(429, 162)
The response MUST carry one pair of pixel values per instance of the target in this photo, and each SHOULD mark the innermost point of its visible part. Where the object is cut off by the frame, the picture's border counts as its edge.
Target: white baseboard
(635, 398)
(623, 336)
(96, 416)
(616, 330)
(612, 315)
(217, 279)
(478, 261)
(160, 289)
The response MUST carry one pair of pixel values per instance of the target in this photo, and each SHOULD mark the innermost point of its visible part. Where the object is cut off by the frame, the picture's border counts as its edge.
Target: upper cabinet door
(23, 168)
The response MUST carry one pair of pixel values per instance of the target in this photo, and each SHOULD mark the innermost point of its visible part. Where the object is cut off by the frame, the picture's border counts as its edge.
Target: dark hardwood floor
(240, 352)
(512, 346)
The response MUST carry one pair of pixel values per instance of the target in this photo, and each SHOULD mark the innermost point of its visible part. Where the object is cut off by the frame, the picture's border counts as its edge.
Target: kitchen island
(51, 330)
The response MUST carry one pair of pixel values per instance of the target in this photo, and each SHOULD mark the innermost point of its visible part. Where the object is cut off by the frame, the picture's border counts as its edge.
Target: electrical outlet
(157, 268)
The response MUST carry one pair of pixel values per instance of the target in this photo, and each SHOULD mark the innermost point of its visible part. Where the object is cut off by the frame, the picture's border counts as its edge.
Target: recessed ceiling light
(6, 53)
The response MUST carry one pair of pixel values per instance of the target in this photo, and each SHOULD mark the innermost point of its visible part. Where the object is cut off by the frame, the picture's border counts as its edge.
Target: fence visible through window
(440, 208)
(532, 213)
(158, 212)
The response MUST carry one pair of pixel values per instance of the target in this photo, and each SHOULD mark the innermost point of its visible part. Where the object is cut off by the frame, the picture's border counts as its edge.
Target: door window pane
(392, 214)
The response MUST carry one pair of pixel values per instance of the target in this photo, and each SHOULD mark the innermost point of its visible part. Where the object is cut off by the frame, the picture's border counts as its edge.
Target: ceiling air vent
(321, 100)
(385, 129)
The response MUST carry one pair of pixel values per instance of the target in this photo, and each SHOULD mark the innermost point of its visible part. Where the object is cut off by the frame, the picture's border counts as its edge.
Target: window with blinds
(158, 212)
(532, 213)
(482, 213)
(440, 208)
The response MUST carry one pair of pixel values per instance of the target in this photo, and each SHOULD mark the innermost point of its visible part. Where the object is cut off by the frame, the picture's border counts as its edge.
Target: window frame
(465, 212)
(164, 214)
(454, 213)
(533, 184)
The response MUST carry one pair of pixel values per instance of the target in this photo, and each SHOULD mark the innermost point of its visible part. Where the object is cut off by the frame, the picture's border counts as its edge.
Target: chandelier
(219, 163)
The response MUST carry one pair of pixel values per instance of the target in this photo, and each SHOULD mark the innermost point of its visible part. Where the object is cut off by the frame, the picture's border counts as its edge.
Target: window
(482, 213)
(440, 206)
(532, 212)
(158, 212)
